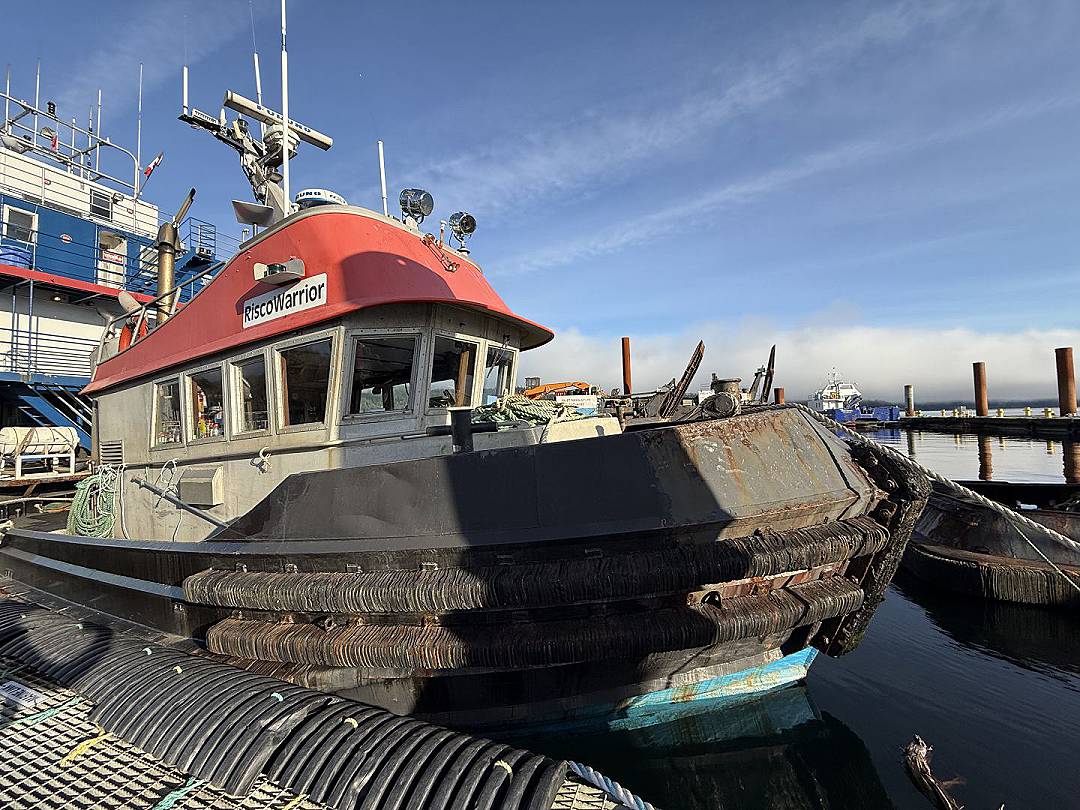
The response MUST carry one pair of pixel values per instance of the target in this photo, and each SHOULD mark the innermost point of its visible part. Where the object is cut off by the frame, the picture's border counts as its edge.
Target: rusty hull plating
(525, 584)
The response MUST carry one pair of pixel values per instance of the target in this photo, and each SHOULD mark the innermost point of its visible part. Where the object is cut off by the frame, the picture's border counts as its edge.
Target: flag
(153, 164)
(55, 141)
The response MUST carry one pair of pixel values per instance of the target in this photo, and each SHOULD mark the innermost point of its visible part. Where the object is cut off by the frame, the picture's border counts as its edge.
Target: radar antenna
(260, 158)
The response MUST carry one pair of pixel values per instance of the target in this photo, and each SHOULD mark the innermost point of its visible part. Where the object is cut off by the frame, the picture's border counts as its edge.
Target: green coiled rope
(93, 509)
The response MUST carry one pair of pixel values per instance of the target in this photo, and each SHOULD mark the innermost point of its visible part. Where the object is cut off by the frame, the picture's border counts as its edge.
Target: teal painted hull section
(666, 705)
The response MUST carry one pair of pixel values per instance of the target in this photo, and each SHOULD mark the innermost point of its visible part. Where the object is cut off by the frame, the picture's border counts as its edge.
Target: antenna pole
(37, 99)
(97, 151)
(7, 94)
(285, 114)
(382, 180)
(138, 138)
(255, 58)
(184, 103)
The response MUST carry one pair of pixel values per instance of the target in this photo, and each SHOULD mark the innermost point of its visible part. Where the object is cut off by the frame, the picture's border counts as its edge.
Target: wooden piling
(909, 400)
(626, 382)
(1066, 381)
(778, 396)
(982, 404)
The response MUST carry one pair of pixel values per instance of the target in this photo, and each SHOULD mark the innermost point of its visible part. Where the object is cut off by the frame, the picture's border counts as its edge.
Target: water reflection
(1001, 458)
(986, 459)
(1035, 638)
(778, 752)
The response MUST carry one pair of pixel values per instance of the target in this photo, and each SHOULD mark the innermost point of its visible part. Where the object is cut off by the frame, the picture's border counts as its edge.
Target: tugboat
(299, 486)
(842, 401)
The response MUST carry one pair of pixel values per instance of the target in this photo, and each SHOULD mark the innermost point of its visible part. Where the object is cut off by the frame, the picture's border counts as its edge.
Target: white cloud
(157, 34)
(690, 207)
(879, 359)
(612, 142)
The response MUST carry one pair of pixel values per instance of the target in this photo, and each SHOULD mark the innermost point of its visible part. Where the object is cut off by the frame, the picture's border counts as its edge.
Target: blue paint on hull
(666, 705)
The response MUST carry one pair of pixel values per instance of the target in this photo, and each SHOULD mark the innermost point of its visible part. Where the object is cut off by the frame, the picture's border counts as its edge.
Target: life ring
(128, 332)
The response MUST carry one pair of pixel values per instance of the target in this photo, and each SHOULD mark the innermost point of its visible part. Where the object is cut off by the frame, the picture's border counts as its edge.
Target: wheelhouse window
(168, 428)
(305, 380)
(207, 404)
(253, 413)
(382, 374)
(497, 373)
(453, 366)
(20, 225)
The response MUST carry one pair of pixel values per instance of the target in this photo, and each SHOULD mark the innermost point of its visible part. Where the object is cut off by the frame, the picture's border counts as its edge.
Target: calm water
(994, 688)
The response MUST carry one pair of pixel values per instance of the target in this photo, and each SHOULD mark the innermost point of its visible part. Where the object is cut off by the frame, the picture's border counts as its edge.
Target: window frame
(33, 224)
(235, 417)
(187, 396)
(154, 411)
(109, 204)
(512, 374)
(348, 372)
(279, 405)
(430, 363)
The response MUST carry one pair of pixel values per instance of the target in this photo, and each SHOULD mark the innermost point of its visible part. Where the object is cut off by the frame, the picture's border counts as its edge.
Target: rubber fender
(472, 778)
(218, 730)
(497, 779)
(347, 783)
(123, 709)
(163, 736)
(242, 763)
(546, 785)
(89, 654)
(207, 715)
(320, 762)
(33, 647)
(520, 782)
(186, 713)
(194, 743)
(439, 762)
(388, 766)
(302, 734)
(118, 701)
(402, 789)
(443, 789)
(96, 678)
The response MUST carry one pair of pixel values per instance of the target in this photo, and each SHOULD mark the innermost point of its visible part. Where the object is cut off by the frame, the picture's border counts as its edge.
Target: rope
(519, 408)
(37, 717)
(172, 798)
(83, 747)
(609, 786)
(1016, 519)
(93, 509)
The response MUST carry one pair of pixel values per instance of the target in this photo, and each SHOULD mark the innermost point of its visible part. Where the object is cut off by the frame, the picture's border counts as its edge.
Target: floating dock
(94, 717)
(1038, 427)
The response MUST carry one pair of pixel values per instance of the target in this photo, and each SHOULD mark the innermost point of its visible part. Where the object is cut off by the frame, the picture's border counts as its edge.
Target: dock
(1036, 427)
(97, 716)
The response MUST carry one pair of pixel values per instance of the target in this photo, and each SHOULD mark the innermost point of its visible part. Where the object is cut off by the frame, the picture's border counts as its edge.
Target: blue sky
(889, 188)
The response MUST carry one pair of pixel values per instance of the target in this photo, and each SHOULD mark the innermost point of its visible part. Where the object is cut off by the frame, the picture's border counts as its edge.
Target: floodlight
(416, 203)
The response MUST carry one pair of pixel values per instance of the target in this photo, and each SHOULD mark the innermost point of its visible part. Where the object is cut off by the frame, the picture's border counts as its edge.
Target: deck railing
(27, 351)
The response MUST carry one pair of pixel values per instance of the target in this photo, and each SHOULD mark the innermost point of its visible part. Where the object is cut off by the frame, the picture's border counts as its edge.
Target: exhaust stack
(168, 242)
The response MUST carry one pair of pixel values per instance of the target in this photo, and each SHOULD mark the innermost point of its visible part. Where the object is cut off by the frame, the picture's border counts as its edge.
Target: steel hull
(496, 589)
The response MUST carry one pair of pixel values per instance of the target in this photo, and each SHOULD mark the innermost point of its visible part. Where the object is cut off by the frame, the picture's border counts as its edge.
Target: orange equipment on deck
(538, 391)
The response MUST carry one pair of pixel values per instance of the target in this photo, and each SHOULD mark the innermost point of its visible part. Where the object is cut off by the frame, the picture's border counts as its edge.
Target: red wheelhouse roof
(368, 260)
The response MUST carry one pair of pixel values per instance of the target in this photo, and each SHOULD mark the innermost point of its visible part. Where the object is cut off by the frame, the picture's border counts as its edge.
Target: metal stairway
(56, 402)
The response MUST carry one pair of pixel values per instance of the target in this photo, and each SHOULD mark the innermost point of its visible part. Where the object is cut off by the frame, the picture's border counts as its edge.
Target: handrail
(144, 309)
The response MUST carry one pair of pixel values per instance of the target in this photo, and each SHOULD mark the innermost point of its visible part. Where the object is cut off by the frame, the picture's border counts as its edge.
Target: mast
(285, 114)
(382, 180)
(138, 138)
